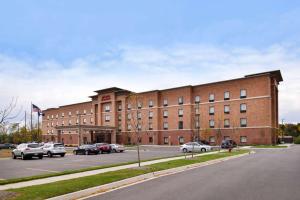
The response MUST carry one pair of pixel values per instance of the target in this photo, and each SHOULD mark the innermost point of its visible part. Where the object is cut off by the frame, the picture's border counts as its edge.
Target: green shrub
(297, 140)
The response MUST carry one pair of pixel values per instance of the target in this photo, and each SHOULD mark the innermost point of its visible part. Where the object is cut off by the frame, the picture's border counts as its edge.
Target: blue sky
(143, 45)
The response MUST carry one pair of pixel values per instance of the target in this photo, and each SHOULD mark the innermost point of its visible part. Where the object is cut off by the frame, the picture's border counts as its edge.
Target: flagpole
(31, 117)
(38, 113)
(25, 122)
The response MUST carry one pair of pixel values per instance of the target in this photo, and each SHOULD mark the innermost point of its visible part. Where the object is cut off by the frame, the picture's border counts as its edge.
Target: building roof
(276, 74)
(111, 89)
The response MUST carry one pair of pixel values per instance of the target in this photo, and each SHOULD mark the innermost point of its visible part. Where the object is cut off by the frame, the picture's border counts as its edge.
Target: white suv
(194, 146)
(27, 150)
(51, 149)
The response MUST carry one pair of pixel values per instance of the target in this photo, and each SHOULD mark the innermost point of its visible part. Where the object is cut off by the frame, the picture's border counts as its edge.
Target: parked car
(103, 147)
(7, 146)
(198, 147)
(117, 148)
(27, 150)
(51, 149)
(86, 150)
(228, 143)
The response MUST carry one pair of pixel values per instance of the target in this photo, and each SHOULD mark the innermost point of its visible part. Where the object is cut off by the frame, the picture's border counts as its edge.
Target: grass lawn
(4, 153)
(268, 146)
(68, 186)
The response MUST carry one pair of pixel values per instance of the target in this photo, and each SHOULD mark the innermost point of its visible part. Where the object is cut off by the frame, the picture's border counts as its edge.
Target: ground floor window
(212, 139)
(243, 139)
(226, 137)
(150, 139)
(129, 140)
(166, 140)
(181, 140)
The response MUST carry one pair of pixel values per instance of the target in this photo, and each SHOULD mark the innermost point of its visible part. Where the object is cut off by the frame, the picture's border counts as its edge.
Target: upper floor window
(139, 115)
(211, 110)
(91, 120)
(139, 105)
(180, 112)
(211, 123)
(120, 107)
(243, 122)
(62, 114)
(129, 106)
(180, 100)
(226, 109)
(77, 112)
(119, 117)
(56, 116)
(84, 120)
(70, 113)
(129, 127)
(150, 114)
(51, 116)
(165, 102)
(226, 123)
(150, 103)
(129, 116)
(166, 126)
(139, 126)
(211, 97)
(243, 93)
(92, 111)
(48, 117)
(84, 111)
(165, 114)
(63, 123)
(107, 108)
(150, 126)
(107, 118)
(243, 108)
(70, 122)
(226, 95)
(197, 99)
(180, 125)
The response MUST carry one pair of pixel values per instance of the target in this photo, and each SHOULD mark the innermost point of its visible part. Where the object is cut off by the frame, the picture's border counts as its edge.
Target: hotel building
(243, 109)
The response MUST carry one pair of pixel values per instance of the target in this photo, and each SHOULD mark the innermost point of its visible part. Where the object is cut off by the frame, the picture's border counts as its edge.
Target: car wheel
(41, 156)
(49, 154)
(86, 152)
(23, 156)
(62, 155)
(13, 156)
(203, 150)
(121, 151)
(184, 150)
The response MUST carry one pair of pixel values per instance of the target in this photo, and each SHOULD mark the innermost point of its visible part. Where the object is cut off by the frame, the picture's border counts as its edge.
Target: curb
(86, 193)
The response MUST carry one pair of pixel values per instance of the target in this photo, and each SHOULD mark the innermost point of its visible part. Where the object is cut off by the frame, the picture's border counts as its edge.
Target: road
(266, 175)
(10, 168)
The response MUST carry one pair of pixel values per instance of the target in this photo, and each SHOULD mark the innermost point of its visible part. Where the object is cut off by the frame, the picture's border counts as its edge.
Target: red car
(103, 147)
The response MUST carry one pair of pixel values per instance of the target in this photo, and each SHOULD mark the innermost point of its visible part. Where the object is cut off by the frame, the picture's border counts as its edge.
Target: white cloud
(49, 83)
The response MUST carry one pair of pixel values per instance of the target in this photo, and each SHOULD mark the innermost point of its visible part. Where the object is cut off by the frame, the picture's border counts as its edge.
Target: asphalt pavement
(266, 175)
(10, 168)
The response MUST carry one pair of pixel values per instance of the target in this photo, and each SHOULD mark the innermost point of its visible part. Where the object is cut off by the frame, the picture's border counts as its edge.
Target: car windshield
(33, 145)
(58, 145)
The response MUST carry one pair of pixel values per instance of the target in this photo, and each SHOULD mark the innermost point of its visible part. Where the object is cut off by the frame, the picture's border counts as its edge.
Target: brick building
(243, 109)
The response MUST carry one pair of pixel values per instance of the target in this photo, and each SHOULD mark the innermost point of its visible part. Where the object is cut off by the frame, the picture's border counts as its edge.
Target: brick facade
(173, 116)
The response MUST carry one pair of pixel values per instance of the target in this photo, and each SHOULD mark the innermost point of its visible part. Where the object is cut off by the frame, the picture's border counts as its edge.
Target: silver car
(195, 147)
(51, 149)
(117, 148)
(27, 150)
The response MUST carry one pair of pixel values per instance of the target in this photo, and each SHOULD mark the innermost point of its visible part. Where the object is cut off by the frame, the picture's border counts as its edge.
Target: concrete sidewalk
(92, 172)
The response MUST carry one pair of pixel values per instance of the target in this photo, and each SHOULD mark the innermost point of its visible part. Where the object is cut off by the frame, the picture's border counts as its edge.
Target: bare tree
(7, 113)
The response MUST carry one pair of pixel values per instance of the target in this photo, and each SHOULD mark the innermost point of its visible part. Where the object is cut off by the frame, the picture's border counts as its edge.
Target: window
(139, 115)
(92, 111)
(70, 113)
(243, 93)
(150, 114)
(119, 117)
(84, 112)
(129, 127)
(63, 123)
(226, 109)
(150, 103)
(180, 100)
(243, 108)
(165, 102)
(180, 125)
(181, 140)
(180, 112)
(52, 131)
(77, 112)
(226, 95)
(48, 131)
(243, 122)
(197, 124)
(70, 122)
(197, 99)
(107, 108)
(84, 120)
(226, 123)
(166, 140)
(150, 139)
(211, 110)
(197, 112)
(212, 139)
(129, 116)
(150, 126)
(91, 120)
(243, 139)
(56, 116)
(62, 114)
(120, 107)
(107, 118)
(139, 126)
(48, 124)
(211, 97)
(165, 114)
(129, 106)
(211, 123)
(166, 126)
(52, 116)
(48, 117)
(77, 121)
(139, 105)
(57, 124)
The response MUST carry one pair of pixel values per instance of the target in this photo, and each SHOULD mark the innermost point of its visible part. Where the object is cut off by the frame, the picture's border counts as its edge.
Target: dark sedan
(86, 150)
(7, 146)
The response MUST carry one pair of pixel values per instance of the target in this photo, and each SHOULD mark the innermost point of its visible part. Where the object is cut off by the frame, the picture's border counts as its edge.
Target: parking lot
(10, 168)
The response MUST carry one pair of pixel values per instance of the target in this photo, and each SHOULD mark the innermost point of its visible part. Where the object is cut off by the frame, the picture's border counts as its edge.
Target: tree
(7, 113)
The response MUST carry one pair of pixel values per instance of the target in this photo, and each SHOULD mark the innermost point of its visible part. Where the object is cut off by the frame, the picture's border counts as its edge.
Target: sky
(59, 52)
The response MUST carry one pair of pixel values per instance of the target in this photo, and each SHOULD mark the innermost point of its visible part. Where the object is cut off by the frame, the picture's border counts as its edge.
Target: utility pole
(25, 123)
(31, 117)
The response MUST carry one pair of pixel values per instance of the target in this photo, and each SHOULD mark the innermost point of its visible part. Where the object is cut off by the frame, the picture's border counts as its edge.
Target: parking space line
(43, 170)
